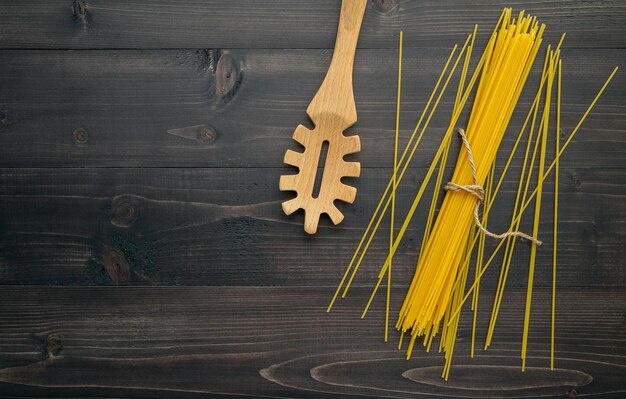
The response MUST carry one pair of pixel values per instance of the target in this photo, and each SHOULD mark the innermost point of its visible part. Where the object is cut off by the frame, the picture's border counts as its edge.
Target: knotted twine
(479, 192)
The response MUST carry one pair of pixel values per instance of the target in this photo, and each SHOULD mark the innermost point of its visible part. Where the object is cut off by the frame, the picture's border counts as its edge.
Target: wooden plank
(280, 24)
(240, 107)
(225, 226)
(279, 342)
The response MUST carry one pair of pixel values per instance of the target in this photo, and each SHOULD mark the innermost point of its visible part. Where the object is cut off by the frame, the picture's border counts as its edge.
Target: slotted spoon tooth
(332, 110)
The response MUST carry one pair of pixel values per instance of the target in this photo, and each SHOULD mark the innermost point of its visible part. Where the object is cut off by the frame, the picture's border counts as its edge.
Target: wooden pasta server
(332, 111)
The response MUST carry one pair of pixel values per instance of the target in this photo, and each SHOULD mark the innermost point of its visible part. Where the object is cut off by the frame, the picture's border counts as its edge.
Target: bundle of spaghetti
(463, 94)
(508, 61)
(437, 291)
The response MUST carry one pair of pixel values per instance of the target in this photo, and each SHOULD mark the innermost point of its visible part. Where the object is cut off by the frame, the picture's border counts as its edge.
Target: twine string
(479, 192)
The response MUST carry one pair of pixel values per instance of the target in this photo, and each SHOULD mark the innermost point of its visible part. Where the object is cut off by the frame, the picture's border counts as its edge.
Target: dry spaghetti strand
(543, 135)
(556, 213)
(394, 185)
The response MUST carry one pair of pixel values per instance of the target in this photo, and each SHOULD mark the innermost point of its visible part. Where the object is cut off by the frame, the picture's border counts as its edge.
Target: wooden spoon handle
(335, 95)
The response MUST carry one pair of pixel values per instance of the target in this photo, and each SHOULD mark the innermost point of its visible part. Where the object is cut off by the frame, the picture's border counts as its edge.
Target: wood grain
(143, 251)
(88, 24)
(225, 227)
(279, 342)
(239, 108)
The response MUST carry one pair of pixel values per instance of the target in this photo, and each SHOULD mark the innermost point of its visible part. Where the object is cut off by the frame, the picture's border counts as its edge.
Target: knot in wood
(80, 136)
(207, 135)
(116, 266)
(124, 212)
(227, 77)
(79, 11)
(386, 7)
(53, 345)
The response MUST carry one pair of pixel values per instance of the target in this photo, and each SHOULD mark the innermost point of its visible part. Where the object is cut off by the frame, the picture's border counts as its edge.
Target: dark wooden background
(143, 250)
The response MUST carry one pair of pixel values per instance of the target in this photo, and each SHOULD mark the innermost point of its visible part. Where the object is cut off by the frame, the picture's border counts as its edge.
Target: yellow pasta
(532, 195)
(521, 193)
(455, 116)
(480, 255)
(437, 291)
(509, 57)
(403, 164)
(418, 196)
(556, 213)
(543, 136)
(393, 186)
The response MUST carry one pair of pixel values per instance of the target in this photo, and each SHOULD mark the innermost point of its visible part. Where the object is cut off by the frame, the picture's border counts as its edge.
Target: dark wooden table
(143, 250)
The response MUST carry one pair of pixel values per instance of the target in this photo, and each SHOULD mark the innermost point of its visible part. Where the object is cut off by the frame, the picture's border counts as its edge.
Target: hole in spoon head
(320, 173)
